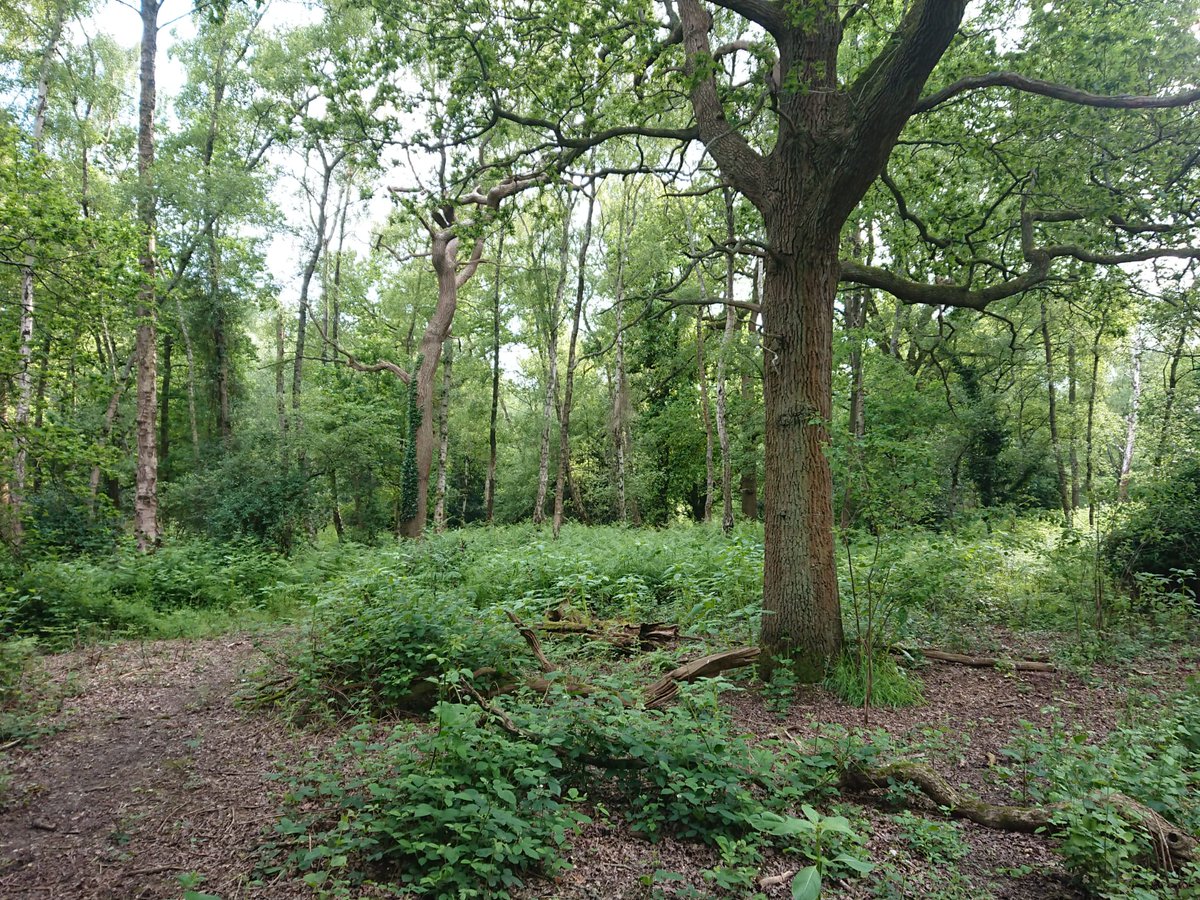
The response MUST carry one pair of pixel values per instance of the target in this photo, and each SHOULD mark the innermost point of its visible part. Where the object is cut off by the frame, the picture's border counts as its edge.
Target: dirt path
(155, 783)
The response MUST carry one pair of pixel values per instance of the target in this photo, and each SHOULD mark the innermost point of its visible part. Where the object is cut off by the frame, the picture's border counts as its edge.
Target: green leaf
(807, 884)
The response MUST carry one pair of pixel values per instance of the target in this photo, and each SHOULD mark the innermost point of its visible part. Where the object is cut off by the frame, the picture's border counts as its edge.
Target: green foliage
(462, 810)
(935, 841)
(876, 681)
(188, 587)
(382, 639)
(1154, 758)
(246, 494)
(467, 808)
(1156, 544)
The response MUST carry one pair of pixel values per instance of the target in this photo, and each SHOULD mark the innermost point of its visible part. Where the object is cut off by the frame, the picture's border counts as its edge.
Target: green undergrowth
(472, 804)
(1152, 756)
(187, 588)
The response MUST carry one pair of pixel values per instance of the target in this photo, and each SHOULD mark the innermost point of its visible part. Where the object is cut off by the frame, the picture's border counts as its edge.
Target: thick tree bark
(564, 249)
(1060, 468)
(564, 419)
(802, 617)
(489, 485)
(1131, 421)
(145, 523)
(439, 507)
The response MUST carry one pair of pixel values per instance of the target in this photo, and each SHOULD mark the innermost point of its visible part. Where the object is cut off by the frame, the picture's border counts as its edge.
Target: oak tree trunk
(802, 620)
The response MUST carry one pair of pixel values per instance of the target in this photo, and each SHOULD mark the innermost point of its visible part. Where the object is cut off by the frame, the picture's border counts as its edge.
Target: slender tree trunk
(855, 318)
(146, 501)
(626, 505)
(539, 506)
(1089, 433)
(564, 419)
(1064, 489)
(748, 483)
(439, 508)
(1072, 402)
(328, 164)
(489, 486)
(280, 394)
(164, 415)
(1164, 434)
(1131, 423)
(28, 301)
(723, 375)
(802, 621)
(705, 416)
(110, 416)
(220, 340)
(564, 423)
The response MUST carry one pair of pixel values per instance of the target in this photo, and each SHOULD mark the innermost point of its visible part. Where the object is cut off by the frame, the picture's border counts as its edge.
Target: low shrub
(883, 684)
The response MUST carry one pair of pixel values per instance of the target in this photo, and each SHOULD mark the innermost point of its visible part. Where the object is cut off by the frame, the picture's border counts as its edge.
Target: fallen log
(1172, 845)
(981, 662)
(641, 636)
(663, 691)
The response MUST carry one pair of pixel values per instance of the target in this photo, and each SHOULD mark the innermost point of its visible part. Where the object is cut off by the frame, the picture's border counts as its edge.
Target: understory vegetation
(626, 448)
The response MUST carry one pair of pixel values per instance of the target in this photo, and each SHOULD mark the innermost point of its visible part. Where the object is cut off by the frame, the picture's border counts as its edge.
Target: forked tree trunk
(145, 524)
(564, 419)
(444, 247)
(802, 621)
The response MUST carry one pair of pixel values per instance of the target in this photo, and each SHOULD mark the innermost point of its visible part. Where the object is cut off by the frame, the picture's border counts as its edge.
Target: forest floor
(151, 780)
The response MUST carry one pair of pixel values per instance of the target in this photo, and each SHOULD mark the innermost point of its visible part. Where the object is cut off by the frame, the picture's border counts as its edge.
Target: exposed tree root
(1173, 846)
